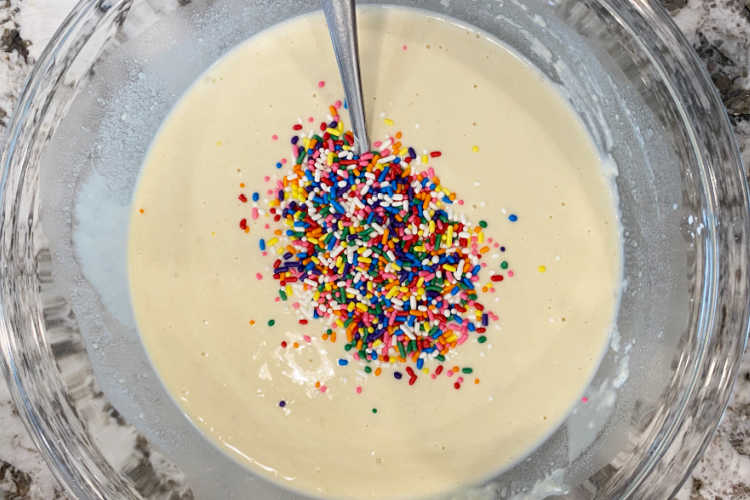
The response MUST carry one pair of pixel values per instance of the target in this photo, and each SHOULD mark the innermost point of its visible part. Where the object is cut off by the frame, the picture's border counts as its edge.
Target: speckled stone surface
(719, 30)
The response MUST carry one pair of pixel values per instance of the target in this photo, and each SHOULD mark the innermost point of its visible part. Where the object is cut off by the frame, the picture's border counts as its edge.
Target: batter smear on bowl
(398, 324)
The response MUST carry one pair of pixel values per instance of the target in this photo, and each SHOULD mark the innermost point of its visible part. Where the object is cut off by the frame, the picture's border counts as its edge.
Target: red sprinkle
(242, 198)
(303, 321)
(296, 126)
(243, 224)
(497, 277)
(457, 385)
(436, 154)
(283, 344)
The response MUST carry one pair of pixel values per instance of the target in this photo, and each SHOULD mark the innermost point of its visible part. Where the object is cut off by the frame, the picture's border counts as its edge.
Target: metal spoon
(342, 25)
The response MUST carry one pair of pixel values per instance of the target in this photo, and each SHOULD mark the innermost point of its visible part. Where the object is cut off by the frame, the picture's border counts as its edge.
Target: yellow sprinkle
(361, 306)
(332, 131)
(425, 369)
(273, 241)
(450, 268)
(388, 121)
(425, 159)
(213, 233)
(350, 307)
(542, 268)
(289, 290)
(475, 149)
(219, 143)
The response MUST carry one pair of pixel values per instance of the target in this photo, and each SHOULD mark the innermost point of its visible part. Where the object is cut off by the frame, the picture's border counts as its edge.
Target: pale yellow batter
(510, 145)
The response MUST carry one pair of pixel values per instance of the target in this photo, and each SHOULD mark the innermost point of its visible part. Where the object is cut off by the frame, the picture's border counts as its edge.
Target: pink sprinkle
(489, 240)
(321, 84)
(254, 212)
(337, 104)
(267, 226)
(359, 389)
(295, 305)
(267, 178)
(264, 253)
(496, 245)
(274, 137)
(377, 144)
(510, 274)
(433, 376)
(460, 380)
(283, 161)
(323, 388)
(449, 373)
(403, 47)
(460, 202)
(258, 276)
(307, 338)
(278, 299)
(484, 264)
(311, 119)
(584, 399)
(269, 192)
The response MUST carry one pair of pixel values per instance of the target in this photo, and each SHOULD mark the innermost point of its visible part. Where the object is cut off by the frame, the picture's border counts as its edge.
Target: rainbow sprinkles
(371, 245)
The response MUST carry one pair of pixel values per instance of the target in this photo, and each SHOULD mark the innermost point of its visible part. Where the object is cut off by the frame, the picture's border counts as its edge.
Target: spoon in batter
(341, 17)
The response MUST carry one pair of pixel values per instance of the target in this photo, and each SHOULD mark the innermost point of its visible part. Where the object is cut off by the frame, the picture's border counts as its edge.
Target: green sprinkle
(348, 347)
(440, 357)
(374, 410)
(482, 339)
(271, 322)
(282, 294)
(482, 223)
(504, 264)
(467, 370)
(368, 369)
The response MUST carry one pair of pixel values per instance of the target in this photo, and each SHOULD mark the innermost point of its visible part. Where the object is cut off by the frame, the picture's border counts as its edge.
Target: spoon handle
(342, 24)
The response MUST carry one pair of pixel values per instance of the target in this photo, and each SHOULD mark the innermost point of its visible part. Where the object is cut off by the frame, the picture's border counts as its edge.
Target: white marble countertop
(719, 31)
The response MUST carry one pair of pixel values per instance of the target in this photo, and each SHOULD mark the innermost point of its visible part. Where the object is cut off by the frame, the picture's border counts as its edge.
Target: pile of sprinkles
(370, 244)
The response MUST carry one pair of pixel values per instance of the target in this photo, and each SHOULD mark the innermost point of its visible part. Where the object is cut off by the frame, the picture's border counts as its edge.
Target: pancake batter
(271, 391)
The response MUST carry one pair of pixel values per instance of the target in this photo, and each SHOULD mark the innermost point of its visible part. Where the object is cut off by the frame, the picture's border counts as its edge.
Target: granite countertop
(719, 30)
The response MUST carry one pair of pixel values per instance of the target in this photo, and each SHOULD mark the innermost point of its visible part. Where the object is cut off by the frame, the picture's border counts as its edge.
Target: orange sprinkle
(278, 232)
(324, 336)
(484, 249)
(247, 229)
(398, 135)
(296, 345)
(333, 337)
(378, 371)
(141, 210)
(252, 322)
(317, 384)
(242, 184)
(476, 380)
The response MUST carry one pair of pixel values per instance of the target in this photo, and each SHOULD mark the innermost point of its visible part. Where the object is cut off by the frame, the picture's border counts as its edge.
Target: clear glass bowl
(114, 69)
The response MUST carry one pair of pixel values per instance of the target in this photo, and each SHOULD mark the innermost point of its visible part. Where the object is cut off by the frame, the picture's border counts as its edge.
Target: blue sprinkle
(262, 244)
(485, 319)
(256, 196)
(420, 363)
(397, 375)
(513, 217)
(278, 164)
(282, 403)
(343, 362)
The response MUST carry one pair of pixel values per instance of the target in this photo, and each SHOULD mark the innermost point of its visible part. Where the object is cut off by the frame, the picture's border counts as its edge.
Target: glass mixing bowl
(71, 354)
